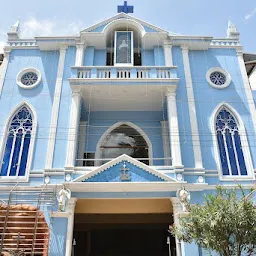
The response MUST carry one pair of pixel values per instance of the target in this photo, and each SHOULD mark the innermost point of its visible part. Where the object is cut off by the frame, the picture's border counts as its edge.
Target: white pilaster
(69, 239)
(174, 129)
(55, 109)
(73, 128)
(3, 69)
(166, 143)
(81, 141)
(192, 110)
(177, 208)
(247, 87)
(80, 48)
(168, 53)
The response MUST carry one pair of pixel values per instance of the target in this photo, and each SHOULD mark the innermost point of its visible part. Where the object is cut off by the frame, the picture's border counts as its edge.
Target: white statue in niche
(63, 195)
(123, 45)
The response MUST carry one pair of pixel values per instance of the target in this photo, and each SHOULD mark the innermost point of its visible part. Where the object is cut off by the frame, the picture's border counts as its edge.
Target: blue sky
(197, 17)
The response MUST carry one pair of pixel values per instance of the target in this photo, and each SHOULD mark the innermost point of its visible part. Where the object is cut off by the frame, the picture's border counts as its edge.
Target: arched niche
(132, 29)
(124, 138)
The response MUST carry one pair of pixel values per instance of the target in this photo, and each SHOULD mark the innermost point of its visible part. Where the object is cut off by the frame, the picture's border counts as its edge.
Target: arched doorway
(124, 138)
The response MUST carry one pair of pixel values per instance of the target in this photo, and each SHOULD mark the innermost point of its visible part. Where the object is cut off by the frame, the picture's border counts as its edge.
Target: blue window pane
(226, 122)
(15, 157)
(231, 153)
(6, 157)
(222, 152)
(240, 154)
(24, 157)
(21, 125)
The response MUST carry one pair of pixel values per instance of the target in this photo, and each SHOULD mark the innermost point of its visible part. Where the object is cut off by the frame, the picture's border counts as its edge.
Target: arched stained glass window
(15, 156)
(229, 143)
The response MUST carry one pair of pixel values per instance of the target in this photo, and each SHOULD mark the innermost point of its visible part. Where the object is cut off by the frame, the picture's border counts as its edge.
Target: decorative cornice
(130, 160)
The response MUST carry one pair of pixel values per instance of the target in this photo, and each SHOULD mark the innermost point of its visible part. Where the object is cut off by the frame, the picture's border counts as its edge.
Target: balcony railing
(124, 73)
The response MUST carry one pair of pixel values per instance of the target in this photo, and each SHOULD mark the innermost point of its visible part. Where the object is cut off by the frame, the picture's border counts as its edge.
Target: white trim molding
(23, 72)
(192, 110)
(247, 87)
(75, 110)
(244, 143)
(55, 109)
(128, 159)
(166, 143)
(113, 127)
(220, 70)
(80, 49)
(4, 66)
(71, 212)
(81, 141)
(5, 133)
(174, 129)
(167, 45)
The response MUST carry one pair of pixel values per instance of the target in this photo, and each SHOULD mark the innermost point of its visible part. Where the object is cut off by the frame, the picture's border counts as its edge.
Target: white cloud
(250, 14)
(34, 27)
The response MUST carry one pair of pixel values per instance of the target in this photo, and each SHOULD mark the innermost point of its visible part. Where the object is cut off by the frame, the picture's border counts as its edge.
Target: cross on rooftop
(125, 8)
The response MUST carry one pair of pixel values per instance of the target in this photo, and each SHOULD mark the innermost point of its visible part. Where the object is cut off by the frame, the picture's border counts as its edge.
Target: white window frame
(132, 55)
(244, 143)
(220, 70)
(5, 133)
(23, 72)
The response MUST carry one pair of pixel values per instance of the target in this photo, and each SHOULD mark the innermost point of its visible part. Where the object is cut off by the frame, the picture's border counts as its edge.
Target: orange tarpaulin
(29, 224)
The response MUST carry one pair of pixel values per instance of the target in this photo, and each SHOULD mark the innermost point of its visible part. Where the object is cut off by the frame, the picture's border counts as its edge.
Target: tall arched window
(229, 143)
(125, 140)
(14, 161)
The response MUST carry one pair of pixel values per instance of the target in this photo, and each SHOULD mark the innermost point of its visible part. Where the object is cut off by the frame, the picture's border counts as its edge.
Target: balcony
(141, 74)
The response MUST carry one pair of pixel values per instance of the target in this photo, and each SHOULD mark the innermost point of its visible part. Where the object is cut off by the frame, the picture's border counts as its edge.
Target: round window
(218, 78)
(28, 78)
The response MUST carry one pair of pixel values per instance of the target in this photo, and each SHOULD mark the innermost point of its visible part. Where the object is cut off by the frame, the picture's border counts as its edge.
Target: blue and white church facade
(100, 130)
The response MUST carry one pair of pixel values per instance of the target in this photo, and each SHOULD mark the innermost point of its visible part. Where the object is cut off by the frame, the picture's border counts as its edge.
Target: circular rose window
(218, 78)
(28, 78)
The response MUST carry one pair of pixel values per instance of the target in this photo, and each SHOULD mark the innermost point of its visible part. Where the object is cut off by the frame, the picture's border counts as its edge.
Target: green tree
(226, 223)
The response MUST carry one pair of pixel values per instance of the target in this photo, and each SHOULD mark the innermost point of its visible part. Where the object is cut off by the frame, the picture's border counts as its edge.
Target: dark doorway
(122, 239)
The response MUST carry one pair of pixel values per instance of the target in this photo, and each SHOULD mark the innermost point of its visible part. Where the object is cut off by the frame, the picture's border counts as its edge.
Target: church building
(104, 132)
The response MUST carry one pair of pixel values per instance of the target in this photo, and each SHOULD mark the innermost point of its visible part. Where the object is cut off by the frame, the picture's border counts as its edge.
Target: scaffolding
(23, 226)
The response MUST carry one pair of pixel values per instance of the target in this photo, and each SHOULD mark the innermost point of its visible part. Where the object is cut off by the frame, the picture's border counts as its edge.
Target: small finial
(232, 31)
(14, 31)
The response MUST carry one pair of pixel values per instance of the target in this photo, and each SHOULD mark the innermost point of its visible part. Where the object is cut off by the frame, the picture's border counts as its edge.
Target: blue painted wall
(183, 112)
(40, 97)
(207, 98)
(64, 112)
(100, 57)
(149, 122)
(159, 56)
(89, 56)
(58, 233)
(148, 58)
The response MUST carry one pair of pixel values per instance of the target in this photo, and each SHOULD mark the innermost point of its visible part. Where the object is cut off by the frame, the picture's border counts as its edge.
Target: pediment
(124, 169)
(99, 27)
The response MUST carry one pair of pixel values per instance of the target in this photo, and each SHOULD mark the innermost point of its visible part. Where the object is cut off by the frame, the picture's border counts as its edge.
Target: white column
(247, 88)
(3, 68)
(168, 53)
(166, 143)
(173, 129)
(81, 141)
(80, 48)
(55, 109)
(177, 208)
(192, 110)
(73, 128)
(69, 238)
